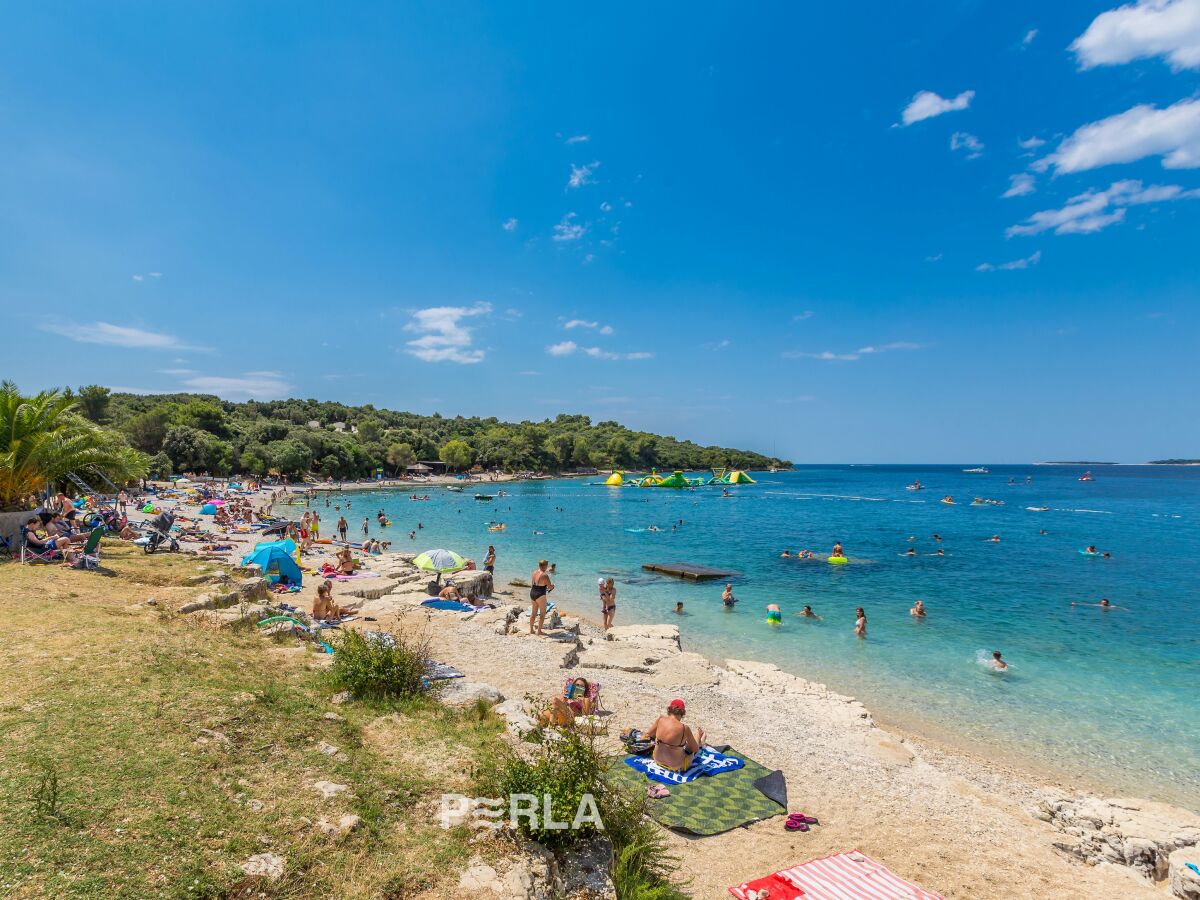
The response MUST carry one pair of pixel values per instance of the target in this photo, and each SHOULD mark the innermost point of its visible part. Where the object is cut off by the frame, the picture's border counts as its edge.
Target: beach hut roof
(420, 467)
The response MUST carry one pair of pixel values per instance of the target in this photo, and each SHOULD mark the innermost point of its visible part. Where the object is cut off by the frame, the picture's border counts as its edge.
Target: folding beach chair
(89, 556)
(36, 554)
(593, 693)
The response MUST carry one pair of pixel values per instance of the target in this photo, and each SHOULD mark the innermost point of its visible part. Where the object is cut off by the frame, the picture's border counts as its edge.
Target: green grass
(132, 742)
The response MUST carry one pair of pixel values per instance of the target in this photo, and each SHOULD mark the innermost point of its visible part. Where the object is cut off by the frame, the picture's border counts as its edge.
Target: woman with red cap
(674, 742)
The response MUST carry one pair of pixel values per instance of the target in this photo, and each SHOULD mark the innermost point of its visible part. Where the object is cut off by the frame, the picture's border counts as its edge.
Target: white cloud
(1029, 36)
(578, 139)
(1169, 28)
(597, 353)
(1019, 185)
(178, 373)
(829, 356)
(255, 385)
(1030, 143)
(1095, 210)
(566, 230)
(800, 317)
(139, 277)
(937, 257)
(581, 175)
(1172, 133)
(606, 206)
(927, 104)
(716, 345)
(155, 274)
(1031, 260)
(594, 326)
(443, 336)
(962, 140)
(589, 258)
(529, 373)
(510, 225)
(566, 348)
(116, 336)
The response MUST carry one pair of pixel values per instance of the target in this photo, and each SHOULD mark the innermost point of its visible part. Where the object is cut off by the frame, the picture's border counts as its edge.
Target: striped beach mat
(843, 876)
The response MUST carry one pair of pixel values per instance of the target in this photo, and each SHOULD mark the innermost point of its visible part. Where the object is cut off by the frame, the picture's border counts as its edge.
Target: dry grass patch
(145, 754)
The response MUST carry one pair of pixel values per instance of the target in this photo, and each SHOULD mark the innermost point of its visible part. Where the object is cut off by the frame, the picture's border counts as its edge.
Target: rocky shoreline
(952, 823)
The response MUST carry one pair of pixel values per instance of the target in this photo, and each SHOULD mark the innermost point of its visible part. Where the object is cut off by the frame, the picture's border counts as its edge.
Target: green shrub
(381, 666)
(565, 766)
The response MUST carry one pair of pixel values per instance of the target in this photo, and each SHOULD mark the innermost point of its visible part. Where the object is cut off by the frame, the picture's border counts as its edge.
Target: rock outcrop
(1140, 834)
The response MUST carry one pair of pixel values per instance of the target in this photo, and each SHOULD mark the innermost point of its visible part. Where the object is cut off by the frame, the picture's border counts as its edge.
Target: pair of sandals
(657, 792)
(799, 822)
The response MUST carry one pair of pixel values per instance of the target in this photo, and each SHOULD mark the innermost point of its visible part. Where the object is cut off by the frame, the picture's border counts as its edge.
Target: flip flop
(794, 825)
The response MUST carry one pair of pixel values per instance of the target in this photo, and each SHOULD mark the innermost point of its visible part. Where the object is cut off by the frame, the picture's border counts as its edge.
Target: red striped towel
(843, 876)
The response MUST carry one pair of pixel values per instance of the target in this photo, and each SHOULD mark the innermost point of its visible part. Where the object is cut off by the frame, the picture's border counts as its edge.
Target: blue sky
(781, 226)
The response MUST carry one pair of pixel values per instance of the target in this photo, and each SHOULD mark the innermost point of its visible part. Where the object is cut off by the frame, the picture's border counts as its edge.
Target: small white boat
(915, 486)
(978, 470)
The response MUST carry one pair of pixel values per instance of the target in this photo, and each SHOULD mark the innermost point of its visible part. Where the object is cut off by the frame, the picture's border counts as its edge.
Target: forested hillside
(201, 433)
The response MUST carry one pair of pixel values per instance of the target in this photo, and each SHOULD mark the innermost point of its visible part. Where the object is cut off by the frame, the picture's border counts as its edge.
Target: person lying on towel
(674, 742)
(450, 592)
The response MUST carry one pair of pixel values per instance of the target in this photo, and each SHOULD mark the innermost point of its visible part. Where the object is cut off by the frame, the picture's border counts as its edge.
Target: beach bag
(635, 744)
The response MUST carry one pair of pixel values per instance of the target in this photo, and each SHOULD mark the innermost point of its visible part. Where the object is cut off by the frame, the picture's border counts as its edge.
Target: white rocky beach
(960, 825)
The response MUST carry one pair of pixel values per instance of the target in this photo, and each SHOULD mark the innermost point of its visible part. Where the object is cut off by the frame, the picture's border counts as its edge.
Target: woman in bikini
(860, 622)
(674, 743)
(608, 602)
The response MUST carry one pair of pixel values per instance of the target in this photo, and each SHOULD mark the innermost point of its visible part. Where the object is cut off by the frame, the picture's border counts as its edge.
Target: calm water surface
(1109, 696)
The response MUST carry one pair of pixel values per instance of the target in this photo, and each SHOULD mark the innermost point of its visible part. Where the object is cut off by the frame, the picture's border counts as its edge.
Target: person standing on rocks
(489, 561)
(540, 587)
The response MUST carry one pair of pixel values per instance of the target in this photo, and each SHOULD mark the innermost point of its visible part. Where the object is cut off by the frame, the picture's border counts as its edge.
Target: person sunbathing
(577, 697)
(345, 561)
(675, 745)
(324, 609)
(450, 592)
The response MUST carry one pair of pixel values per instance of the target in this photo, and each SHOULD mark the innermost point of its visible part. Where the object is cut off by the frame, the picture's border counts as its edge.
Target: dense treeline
(201, 433)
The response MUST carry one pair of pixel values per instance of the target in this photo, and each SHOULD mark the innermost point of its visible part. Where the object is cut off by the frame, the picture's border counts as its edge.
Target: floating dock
(690, 571)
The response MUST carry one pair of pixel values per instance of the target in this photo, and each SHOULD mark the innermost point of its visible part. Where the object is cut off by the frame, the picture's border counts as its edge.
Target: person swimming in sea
(1092, 548)
(727, 597)
(941, 552)
(994, 539)
(774, 614)
(911, 551)
(785, 555)
(918, 609)
(808, 613)
(1103, 604)
(679, 608)
(937, 537)
(997, 663)
(860, 622)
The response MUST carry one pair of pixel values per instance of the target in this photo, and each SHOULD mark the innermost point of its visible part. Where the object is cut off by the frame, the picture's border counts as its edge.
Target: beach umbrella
(440, 561)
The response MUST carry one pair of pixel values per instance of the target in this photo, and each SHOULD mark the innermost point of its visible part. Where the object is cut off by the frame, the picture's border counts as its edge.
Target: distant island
(1174, 462)
(1075, 462)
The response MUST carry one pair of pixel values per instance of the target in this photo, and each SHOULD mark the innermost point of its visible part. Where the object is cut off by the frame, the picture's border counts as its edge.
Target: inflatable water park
(720, 477)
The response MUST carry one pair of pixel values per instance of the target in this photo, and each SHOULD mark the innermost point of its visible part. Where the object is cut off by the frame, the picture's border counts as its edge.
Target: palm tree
(43, 438)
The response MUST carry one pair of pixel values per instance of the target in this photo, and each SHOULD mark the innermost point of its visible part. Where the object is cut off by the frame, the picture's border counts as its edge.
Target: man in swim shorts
(540, 587)
(727, 596)
(808, 613)
(489, 561)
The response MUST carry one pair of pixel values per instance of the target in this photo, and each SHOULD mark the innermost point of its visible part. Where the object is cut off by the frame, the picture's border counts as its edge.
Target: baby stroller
(160, 532)
(108, 519)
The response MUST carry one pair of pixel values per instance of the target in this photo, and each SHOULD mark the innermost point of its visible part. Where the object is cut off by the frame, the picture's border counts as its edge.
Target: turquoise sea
(1110, 697)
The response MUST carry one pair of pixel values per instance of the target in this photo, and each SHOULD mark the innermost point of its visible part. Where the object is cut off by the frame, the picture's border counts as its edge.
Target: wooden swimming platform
(690, 571)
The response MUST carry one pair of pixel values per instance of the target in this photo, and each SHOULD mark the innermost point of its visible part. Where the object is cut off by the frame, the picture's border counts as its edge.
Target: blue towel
(448, 604)
(706, 762)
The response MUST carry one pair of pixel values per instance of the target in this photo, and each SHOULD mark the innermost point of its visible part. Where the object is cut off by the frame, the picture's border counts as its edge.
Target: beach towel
(843, 875)
(706, 762)
(436, 671)
(354, 576)
(708, 805)
(457, 605)
(334, 623)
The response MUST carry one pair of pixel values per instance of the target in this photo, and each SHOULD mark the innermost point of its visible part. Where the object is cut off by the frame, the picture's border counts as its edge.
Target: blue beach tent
(208, 509)
(277, 558)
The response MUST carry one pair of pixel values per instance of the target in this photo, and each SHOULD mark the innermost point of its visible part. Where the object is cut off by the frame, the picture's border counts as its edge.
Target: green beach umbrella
(440, 561)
